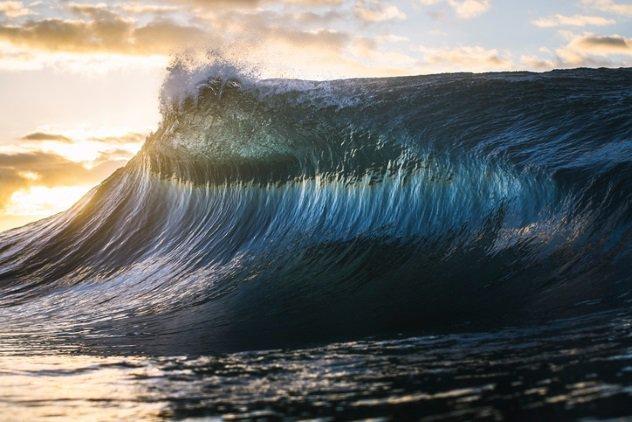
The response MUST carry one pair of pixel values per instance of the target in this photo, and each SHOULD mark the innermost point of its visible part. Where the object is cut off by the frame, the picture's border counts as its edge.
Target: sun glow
(46, 160)
(41, 201)
(82, 151)
(83, 148)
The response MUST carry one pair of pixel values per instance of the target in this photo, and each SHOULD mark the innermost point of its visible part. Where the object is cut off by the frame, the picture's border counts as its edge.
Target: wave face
(280, 213)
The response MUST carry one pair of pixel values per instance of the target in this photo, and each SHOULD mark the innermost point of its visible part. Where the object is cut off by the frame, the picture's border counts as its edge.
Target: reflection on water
(571, 369)
(77, 387)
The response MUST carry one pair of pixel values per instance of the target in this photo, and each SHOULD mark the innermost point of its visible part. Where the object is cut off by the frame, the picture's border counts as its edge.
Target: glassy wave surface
(284, 214)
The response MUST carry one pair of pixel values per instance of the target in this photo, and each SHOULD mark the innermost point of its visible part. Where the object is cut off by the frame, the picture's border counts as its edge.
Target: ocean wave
(267, 213)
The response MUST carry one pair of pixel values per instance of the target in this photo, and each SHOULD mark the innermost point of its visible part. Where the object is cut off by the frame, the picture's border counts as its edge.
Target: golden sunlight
(41, 201)
(52, 168)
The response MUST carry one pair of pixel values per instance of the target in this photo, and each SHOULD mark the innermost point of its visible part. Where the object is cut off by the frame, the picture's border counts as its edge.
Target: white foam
(188, 73)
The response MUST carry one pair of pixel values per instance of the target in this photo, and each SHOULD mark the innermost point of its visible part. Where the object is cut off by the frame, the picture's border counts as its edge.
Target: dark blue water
(455, 246)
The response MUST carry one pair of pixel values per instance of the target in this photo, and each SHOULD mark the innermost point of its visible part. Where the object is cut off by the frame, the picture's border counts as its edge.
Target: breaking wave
(281, 213)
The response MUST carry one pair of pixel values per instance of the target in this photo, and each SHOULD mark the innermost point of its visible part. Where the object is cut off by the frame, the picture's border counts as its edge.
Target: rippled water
(576, 368)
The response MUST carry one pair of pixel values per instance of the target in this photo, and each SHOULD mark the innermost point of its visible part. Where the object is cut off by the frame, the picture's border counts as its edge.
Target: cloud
(41, 136)
(610, 6)
(31, 165)
(10, 182)
(464, 9)
(95, 11)
(584, 50)
(315, 2)
(14, 9)
(576, 20)
(141, 8)
(532, 62)
(259, 32)
(369, 48)
(468, 9)
(101, 30)
(214, 5)
(22, 170)
(265, 37)
(595, 50)
(606, 45)
(464, 58)
(376, 11)
(128, 138)
(313, 18)
(391, 38)
(262, 34)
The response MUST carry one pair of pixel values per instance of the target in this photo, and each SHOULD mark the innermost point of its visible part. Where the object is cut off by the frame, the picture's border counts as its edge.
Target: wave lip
(280, 213)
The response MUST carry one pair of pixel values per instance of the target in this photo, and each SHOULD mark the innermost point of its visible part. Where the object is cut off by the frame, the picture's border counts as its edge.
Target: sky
(80, 80)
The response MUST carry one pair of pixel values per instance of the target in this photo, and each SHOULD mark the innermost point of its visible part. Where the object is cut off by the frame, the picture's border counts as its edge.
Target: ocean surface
(444, 247)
